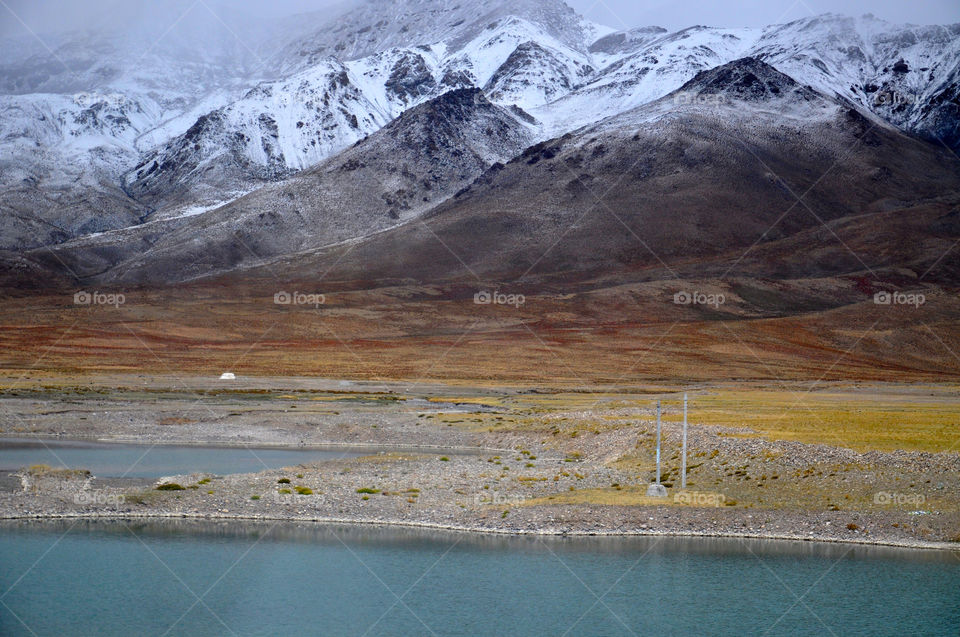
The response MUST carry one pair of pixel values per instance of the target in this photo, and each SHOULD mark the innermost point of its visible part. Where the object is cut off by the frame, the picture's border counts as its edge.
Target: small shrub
(285, 491)
(170, 486)
(204, 481)
(366, 497)
(283, 481)
(444, 459)
(852, 526)
(303, 490)
(300, 475)
(254, 497)
(368, 490)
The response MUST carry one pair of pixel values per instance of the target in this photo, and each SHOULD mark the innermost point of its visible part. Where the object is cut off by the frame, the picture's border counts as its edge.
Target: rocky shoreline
(483, 530)
(429, 492)
(550, 479)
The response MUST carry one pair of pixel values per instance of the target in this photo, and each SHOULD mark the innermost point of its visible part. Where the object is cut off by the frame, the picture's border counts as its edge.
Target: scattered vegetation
(170, 486)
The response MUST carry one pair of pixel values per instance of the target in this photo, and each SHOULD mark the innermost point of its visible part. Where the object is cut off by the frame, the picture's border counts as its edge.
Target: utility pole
(683, 470)
(658, 442)
(657, 490)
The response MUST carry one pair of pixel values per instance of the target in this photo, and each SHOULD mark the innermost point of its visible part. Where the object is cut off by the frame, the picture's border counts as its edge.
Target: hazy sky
(47, 15)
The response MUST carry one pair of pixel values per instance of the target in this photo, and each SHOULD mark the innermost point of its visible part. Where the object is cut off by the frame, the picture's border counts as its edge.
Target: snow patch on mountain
(276, 129)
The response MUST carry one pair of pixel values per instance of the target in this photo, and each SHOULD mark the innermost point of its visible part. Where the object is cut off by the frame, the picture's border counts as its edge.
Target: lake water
(111, 460)
(192, 578)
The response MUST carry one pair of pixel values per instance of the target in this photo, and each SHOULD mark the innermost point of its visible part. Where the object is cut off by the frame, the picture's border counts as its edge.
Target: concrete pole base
(656, 491)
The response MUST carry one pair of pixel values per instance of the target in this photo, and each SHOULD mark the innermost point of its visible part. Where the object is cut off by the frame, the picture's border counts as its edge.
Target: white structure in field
(228, 376)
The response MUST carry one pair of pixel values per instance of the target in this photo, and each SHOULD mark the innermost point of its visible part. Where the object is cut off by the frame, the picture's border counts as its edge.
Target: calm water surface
(191, 578)
(112, 460)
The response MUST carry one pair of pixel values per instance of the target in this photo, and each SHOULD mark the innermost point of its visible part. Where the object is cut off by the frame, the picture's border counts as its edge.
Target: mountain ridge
(126, 154)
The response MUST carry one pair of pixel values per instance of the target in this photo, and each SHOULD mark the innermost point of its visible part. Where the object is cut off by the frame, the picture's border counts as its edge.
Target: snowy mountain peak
(623, 41)
(746, 79)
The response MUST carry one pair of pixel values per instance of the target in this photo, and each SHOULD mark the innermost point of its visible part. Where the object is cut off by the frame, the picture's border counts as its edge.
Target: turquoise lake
(224, 578)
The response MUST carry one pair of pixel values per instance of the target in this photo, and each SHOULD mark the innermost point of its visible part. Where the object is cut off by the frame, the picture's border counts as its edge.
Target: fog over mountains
(226, 144)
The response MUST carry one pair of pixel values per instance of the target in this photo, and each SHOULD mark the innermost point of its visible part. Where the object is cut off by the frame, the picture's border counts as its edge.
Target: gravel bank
(542, 481)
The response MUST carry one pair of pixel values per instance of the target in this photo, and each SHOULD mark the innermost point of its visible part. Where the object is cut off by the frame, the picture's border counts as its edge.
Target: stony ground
(557, 470)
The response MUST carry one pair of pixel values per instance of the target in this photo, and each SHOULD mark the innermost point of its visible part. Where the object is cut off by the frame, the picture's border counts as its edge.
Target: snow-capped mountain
(282, 127)
(692, 180)
(396, 174)
(109, 133)
(906, 75)
(275, 130)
